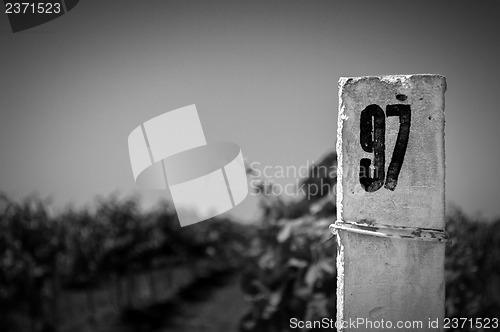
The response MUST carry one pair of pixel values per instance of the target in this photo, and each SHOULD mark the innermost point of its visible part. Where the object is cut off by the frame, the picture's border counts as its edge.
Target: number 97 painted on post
(390, 147)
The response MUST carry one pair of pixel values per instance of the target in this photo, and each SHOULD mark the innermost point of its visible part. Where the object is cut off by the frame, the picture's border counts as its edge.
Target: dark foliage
(83, 249)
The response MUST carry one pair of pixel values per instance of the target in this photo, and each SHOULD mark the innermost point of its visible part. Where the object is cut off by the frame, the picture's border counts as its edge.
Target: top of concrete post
(416, 196)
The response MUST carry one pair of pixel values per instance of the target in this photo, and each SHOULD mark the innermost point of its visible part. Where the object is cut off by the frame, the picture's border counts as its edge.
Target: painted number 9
(372, 139)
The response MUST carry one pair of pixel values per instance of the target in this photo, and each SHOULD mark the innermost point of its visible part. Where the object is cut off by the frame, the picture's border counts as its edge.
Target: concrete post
(390, 203)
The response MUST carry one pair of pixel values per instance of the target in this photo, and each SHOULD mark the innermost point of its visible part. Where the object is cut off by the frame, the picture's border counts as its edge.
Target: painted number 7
(372, 139)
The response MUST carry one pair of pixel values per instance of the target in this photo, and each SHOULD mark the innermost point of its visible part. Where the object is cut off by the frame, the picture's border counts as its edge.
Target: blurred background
(82, 249)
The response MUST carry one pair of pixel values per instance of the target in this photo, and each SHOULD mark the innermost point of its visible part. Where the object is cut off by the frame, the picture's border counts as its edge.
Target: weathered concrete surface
(391, 278)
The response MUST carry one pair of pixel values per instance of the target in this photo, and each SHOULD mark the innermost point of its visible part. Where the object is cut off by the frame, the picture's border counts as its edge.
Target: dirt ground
(210, 304)
(220, 312)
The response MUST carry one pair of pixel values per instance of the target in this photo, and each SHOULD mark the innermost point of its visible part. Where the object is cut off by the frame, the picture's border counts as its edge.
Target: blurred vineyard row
(43, 258)
(291, 271)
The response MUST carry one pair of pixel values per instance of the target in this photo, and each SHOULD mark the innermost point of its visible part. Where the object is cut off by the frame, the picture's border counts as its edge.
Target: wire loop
(401, 232)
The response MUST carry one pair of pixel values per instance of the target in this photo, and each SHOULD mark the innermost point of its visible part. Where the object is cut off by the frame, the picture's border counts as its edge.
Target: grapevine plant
(291, 270)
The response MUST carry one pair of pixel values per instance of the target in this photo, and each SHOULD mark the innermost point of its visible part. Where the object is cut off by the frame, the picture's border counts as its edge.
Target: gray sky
(263, 74)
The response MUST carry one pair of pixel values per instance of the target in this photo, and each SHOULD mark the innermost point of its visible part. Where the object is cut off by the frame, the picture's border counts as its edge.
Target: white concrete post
(390, 203)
